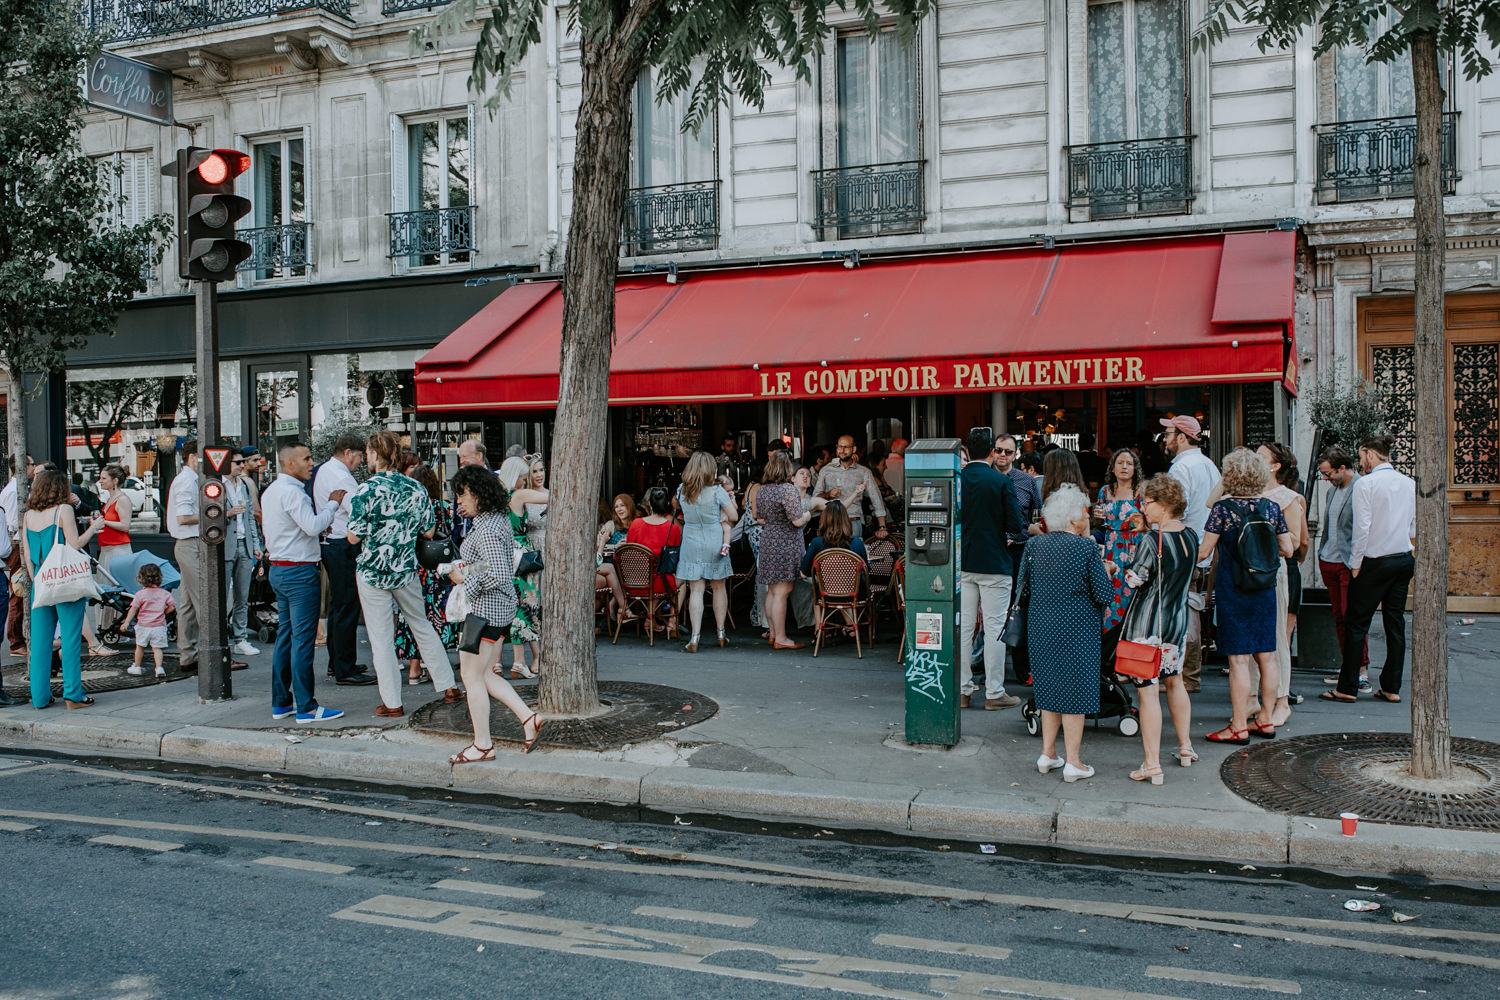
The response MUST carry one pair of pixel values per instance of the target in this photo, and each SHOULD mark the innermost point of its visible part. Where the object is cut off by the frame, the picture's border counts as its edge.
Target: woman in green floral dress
(525, 630)
(435, 587)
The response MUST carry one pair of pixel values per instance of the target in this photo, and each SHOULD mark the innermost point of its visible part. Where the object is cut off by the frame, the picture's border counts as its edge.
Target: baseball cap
(249, 450)
(1188, 425)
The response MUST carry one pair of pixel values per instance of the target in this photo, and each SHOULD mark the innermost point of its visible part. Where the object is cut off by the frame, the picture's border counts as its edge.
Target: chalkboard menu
(1119, 417)
(1257, 414)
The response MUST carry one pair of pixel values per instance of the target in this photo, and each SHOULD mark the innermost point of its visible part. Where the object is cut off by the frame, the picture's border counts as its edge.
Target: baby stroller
(263, 615)
(1115, 702)
(120, 586)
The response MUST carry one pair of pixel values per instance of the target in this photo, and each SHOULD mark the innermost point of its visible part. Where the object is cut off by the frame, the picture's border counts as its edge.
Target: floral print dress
(435, 588)
(1120, 539)
(526, 626)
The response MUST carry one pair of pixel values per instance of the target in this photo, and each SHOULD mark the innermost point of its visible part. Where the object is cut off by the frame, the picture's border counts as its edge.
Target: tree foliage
(1347, 411)
(1462, 27)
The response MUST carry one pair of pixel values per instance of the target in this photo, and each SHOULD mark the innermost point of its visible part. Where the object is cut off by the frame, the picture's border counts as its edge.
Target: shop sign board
(128, 86)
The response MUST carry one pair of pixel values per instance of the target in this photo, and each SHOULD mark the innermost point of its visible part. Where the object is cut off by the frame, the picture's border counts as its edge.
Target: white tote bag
(65, 575)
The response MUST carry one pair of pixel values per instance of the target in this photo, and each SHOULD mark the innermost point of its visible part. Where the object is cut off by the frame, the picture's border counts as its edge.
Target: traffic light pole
(213, 657)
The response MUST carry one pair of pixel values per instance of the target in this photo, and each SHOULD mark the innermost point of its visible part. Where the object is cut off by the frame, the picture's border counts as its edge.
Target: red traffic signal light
(207, 209)
(213, 520)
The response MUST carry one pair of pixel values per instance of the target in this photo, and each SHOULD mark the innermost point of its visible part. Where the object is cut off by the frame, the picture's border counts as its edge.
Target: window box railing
(875, 200)
(277, 251)
(1134, 177)
(389, 7)
(671, 217)
(1373, 158)
(126, 20)
(433, 235)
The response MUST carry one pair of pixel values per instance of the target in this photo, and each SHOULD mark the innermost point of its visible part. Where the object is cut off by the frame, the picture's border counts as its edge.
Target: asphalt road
(126, 883)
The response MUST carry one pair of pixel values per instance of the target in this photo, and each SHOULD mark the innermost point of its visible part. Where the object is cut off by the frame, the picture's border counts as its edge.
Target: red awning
(1186, 311)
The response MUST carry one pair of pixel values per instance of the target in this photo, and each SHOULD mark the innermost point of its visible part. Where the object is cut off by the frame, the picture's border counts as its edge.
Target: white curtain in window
(878, 99)
(663, 153)
(1160, 76)
(1107, 90)
(897, 81)
(856, 132)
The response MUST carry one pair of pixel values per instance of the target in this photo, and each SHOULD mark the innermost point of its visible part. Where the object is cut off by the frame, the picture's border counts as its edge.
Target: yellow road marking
(487, 888)
(945, 947)
(1223, 979)
(695, 916)
(691, 952)
(303, 865)
(145, 845)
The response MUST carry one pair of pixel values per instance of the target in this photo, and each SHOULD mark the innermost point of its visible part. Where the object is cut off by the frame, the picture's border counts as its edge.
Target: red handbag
(1141, 659)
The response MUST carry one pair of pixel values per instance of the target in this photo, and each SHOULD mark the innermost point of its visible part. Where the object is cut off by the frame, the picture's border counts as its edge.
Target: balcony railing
(671, 217)
(1373, 158)
(126, 20)
(433, 235)
(277, 251)
(1135, 177)
(389, 7)
(875, 200)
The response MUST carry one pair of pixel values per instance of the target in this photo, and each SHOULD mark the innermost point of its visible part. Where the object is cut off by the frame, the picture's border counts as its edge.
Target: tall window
(280, 208)
(1137, 64)
(433, 222)
(131, 176)
(879, 110)
(663, 153)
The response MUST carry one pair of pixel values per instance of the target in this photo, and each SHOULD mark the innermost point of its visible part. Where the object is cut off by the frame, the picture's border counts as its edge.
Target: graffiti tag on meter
(924, 674)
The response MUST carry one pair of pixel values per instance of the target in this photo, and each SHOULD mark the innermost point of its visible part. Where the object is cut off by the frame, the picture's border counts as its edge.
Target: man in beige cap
(1198, 476)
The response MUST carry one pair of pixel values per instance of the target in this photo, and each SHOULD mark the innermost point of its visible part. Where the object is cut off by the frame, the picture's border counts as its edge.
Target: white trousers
(989, 594)
(380, 626)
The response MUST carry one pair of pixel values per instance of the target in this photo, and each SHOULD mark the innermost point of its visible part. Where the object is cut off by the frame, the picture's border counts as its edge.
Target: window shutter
(473, 159)
(139, 185)
(399, 180)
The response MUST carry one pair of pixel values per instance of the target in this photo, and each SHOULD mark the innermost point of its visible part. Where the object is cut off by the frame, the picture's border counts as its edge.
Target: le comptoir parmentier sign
(129, 87)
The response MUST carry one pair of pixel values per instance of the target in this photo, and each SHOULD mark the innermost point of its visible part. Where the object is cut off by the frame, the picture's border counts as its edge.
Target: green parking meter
(932, 591)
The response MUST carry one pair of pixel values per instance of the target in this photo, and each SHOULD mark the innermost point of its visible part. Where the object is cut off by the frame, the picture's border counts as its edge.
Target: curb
(1102, 827)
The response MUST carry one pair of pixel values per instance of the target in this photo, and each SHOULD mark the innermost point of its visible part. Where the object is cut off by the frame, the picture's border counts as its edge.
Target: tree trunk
(1431, 740)
(15, 430)
(569, 681)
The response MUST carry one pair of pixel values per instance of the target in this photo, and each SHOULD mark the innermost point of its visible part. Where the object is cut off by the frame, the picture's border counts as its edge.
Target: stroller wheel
(1033, 718)
(267, 634)
(1128, 725)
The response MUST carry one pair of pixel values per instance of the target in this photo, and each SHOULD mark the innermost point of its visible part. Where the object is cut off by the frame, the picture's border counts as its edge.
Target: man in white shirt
(182, 525)
(241, 554)
(1384, 503)
(15, 626)
(337, 476)
(292, 532)
(1198, 476)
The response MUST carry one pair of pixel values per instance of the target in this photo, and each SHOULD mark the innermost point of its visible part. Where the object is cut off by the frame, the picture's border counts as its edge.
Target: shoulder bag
(1143, 659)
(666, 562)
(65, 575)
(1014, 633)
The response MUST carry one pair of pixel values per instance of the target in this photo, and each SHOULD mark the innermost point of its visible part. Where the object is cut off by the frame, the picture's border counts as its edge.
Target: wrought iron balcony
(127, 20)
(1135, 177)
(389, 7)
(875, 200)
(277, 251)
(671, 217)
(433, 235)
(1373, 158)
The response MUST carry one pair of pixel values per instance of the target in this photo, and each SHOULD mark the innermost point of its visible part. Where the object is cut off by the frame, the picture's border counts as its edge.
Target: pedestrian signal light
(207, 209)
(213, 524)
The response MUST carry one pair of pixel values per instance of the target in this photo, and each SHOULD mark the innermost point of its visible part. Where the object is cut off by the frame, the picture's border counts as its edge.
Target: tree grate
(1330, 773)
(100, 674)
(634, 713)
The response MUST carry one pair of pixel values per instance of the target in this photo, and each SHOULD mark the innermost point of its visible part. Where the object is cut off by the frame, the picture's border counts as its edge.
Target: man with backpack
(1199, 477)
(1384, 503)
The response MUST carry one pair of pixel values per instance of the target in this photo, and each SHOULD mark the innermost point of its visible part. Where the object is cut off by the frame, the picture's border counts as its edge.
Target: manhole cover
(634, 713)
(1329, 773)
(100, 674)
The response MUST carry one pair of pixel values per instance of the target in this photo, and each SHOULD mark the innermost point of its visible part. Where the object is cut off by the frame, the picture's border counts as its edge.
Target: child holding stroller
(148, 609)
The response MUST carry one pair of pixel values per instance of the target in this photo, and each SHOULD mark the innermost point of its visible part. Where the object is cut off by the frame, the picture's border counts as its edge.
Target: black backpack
(1259, 555)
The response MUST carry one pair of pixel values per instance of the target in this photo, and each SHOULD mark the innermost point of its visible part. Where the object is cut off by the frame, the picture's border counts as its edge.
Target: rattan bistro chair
(841, 589)
(883, 553)
(639, 579)
(898, 597)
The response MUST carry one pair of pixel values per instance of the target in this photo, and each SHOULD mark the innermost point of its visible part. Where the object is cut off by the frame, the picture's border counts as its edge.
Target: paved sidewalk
(804, 739)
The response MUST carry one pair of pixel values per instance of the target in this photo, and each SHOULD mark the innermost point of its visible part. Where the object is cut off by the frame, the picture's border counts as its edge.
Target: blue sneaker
(320, 714)
(282, 713)
(1365, 688)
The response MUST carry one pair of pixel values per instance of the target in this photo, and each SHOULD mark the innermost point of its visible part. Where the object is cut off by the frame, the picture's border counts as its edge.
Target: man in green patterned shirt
(388, 513)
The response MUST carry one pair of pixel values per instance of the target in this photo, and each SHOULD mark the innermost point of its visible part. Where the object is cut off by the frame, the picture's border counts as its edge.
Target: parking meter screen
(925, 496)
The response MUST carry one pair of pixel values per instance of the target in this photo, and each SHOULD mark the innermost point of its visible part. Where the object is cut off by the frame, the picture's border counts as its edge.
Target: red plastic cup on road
(1350, 821)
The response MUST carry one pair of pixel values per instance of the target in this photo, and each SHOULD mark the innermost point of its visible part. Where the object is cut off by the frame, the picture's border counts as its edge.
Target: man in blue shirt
(989, 516)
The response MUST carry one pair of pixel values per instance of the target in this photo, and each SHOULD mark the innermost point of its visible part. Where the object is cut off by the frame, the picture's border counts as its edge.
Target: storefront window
(115, 414)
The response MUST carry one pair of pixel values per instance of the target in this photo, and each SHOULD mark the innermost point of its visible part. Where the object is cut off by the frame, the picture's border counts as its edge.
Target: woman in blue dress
(49, 520)
(707, 508)
(1245, 619)
(1066, 586)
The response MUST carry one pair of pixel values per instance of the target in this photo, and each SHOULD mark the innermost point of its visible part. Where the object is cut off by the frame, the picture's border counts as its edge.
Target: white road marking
(7, 825)
(303, 865)
(690, 952)
(9, 767)
(695, 916)
(487, 888)
(1224, 979)
(945, 947)
(145, 845)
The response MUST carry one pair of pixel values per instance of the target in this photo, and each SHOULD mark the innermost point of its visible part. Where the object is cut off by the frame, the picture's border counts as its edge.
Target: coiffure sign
(132, 88)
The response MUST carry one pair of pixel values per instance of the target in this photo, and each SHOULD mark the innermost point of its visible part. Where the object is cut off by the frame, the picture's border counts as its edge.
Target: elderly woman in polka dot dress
(1066, 586)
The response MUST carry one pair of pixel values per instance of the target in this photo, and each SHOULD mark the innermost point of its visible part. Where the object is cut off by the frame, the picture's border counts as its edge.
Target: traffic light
(213, 524)
(207, 209)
